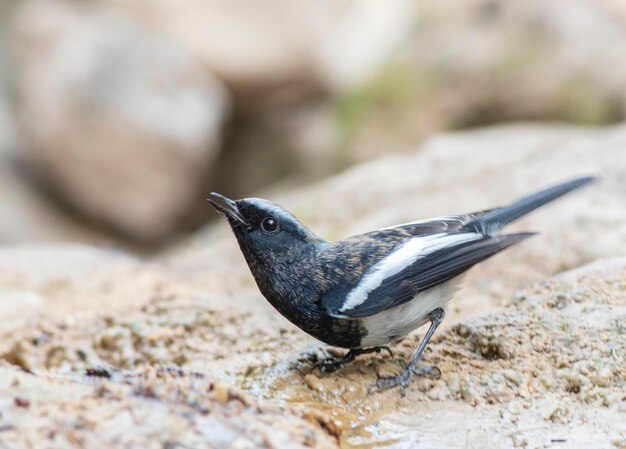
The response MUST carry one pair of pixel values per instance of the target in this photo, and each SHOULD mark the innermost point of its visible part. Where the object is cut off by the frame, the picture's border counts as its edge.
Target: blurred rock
(29, 215)
(7, 128)
(284, 62)
(456, 173)
(292, 140)
(481, 62)
(281, 49)
(120, 122)
(507, 60)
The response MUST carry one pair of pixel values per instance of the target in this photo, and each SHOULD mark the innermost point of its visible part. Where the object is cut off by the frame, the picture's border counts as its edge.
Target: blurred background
(118, 117)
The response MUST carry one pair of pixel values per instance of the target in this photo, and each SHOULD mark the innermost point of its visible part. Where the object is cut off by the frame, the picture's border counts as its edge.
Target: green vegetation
(386, 97)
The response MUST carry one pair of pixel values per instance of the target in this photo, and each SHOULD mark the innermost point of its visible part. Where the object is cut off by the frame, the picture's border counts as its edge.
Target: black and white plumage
(370, 289)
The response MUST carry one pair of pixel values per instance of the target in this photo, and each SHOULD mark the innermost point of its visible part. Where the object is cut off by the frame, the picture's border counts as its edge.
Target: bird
(369, 290)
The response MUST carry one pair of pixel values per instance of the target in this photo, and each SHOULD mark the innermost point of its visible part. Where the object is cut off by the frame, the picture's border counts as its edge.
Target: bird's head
(261, 225)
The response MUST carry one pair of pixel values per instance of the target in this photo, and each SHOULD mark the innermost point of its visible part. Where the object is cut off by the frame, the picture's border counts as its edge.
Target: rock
(144, 411)
(482, 62)
(70, 282)
(296, 140)
(285, 64)
(121, 125)
(283, 49)
(313, 382)
(7, 128)
(524, 60)
(495, 395)
(29, 215)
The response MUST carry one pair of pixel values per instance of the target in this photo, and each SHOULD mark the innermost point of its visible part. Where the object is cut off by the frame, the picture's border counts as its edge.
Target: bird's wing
(447, 224)
(417, 264)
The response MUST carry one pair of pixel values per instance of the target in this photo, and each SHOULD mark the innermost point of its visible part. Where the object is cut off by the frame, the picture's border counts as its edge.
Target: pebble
(386, 369)
(220, 394)
(335, 352)
(314, 383)
(22, 402)
(603, 378)
(514, 377)
(453, 381)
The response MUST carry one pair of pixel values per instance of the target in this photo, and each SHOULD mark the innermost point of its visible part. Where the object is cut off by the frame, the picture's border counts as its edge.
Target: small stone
(314, 383)
(603, 378)
(335, 352)
(453, 381)
(220, 394)
(573, 383)
(468, 394)
(22, 402)
(619, 443)
(437, 393)
(560, 415)
(514, 377)
(17, 355)
(386, 370)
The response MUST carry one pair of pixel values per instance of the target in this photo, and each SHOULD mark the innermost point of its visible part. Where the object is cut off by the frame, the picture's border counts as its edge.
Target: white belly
(398, 321)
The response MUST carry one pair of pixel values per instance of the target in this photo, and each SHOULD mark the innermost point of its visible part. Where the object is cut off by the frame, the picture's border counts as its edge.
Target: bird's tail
(494, 220)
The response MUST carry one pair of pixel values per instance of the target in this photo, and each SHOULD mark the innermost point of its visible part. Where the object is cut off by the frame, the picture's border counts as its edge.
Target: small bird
(368, 290)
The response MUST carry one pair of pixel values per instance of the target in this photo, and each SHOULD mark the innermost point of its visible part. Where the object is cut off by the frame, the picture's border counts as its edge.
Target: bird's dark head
(262, 225)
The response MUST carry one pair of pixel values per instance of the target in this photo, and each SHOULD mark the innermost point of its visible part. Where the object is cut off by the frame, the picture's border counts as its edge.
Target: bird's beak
(226, 206)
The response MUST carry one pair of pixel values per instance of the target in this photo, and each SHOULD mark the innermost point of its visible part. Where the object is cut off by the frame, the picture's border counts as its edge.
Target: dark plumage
(368, 290)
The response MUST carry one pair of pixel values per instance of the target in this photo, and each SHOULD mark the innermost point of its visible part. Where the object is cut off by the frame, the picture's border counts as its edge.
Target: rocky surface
(151, 409)
(282, 48)
(525, 375)
(100, 347)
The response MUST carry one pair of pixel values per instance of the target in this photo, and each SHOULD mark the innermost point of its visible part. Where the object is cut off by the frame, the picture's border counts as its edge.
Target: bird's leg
(333, 364)
(404, 379)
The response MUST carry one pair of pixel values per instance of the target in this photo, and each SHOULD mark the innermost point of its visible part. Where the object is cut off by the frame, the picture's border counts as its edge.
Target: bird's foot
(403, 380)
(326, 364)
(332, 364)
(378, 350)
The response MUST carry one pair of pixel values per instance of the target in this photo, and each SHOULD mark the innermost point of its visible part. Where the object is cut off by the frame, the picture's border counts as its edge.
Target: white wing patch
(398, 260)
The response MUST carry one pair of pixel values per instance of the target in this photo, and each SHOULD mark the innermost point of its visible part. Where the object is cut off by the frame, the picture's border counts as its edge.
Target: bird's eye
(269, 225)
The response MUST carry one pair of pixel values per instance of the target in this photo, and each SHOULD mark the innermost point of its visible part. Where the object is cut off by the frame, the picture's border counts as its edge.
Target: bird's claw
(403, 380)
(329, 366)
(380, 349)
